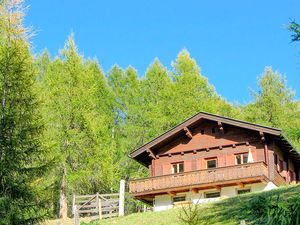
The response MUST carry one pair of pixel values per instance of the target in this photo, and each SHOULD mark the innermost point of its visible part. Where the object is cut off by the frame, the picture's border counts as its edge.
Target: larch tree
(274, 105)
(23, 161)
(193, 93)
(77, 108)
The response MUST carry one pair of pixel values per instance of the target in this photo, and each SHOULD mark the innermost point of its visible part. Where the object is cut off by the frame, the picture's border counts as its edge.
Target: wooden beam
(247, 143)
(241, 185)
(195, 151)
(151, 154)
(195, 190)
(172, 193)
(188, 132)
(182, 153)
(207, 149)
(220, 147)
(218, 187)
(233, 145)
(262, 136)
(220, 125)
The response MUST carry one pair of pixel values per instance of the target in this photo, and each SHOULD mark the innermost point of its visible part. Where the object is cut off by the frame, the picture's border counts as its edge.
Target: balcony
(200, 179)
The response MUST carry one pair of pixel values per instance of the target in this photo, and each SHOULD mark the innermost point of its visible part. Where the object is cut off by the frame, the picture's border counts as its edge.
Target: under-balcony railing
(216, 176)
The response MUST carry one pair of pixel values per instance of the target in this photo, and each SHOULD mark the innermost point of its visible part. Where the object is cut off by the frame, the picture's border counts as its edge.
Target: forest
(67, 126)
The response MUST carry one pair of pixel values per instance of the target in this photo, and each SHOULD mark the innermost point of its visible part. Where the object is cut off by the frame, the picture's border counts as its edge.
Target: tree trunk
(63, 205)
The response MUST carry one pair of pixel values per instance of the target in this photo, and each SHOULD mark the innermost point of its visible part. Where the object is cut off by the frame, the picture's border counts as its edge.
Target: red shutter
(230, 160)
(194, 164)
(167, 169)
(158, 170)
(187, 166)
(221, 161)
(201, 164)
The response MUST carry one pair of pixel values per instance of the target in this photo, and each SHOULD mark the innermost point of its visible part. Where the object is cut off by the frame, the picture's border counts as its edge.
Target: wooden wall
(208, 140)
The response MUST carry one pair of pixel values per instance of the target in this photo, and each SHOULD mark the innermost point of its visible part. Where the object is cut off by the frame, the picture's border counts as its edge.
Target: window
(241, 158)
(211, 163)
(213, 130)
(178, 199)
(243, 191)
(178, 167)
(212, 195)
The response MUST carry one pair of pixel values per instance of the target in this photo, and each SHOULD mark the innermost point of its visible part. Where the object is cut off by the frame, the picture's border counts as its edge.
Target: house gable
(187, 136)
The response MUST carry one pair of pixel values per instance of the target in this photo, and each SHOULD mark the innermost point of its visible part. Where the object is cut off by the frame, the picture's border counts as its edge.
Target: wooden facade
(209, 151)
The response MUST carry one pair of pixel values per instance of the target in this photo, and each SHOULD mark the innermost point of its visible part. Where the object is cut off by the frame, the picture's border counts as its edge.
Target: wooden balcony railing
(198, 178)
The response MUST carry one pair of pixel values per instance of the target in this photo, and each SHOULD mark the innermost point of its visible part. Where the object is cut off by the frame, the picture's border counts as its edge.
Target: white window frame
(242, 158)
(178, 166)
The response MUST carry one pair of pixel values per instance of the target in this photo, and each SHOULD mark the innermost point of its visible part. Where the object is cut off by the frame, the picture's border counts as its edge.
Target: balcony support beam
(195, 190)
(218, 187)
(221, 128)
(188, 133)
(172, 193)
(241, 185)
(262, 136)
(150, 152)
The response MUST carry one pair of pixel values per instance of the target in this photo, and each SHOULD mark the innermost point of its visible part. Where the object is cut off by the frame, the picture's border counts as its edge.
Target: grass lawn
(225, 212)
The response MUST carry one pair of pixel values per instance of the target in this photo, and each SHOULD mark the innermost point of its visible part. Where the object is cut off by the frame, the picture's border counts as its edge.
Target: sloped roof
(173, 132)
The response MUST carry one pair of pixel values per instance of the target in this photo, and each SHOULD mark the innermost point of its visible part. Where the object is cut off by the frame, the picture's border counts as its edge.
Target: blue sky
(232, 41)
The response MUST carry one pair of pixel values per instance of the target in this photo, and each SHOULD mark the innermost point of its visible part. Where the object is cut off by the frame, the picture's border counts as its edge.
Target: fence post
(99, 206)
(73, 206)
(76, 216)
(121, 197)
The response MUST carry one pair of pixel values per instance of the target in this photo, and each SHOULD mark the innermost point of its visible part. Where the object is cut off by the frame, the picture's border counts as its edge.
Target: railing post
(76, 216)
(73, 206)
(99, 205)
(121, 198)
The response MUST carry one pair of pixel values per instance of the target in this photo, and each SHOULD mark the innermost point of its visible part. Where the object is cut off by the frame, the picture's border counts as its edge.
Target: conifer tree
(274, 105)
(77, 110)
(22, 160)
(193, 93)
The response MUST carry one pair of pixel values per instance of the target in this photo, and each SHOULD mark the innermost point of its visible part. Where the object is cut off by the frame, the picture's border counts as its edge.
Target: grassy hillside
(248, 207)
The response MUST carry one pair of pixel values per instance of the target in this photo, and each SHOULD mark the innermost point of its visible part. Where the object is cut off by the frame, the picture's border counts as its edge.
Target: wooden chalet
(208, 157)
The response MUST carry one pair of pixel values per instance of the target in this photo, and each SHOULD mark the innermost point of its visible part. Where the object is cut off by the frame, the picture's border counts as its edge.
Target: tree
(295, 29)
(22, 159)
(274, 105)
(77, 109)
(193, 93)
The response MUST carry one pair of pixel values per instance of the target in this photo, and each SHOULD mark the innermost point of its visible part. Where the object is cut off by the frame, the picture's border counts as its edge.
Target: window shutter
(230, 160)
(201, 164)
(167, 169)
(221, 161)
(187, 166)
(194, 164)
(158, 170)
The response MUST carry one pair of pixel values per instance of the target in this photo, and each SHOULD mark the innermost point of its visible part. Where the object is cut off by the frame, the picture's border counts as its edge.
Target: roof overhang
(140, 153)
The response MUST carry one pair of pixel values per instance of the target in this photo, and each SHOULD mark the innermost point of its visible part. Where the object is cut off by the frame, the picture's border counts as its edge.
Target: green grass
(247, 207)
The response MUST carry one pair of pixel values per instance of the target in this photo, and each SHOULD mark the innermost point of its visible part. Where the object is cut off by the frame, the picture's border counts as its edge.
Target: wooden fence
(98, 205)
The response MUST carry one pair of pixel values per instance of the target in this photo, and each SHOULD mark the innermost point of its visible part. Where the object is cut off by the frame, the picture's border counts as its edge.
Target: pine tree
(22, 160)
